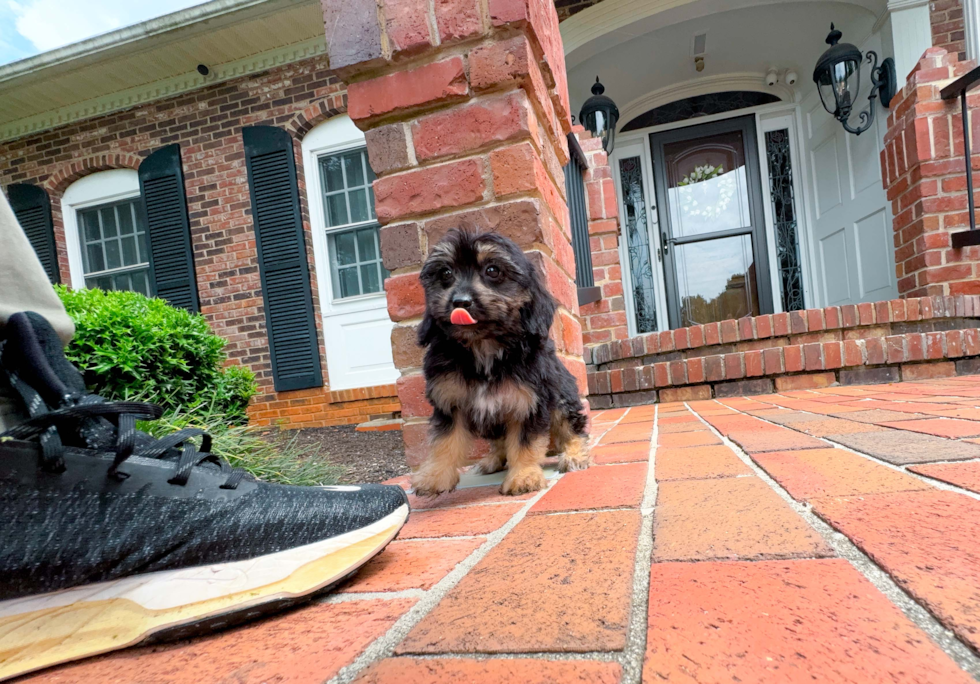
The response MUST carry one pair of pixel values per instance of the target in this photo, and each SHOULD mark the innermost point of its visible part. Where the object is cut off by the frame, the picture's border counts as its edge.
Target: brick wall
(604, 320)
(948, 26)
(880, 342)
(207, 123)
(924, 173)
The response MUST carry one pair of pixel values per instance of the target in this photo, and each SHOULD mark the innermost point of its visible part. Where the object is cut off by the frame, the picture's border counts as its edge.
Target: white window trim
(98, 188)
(339, 134)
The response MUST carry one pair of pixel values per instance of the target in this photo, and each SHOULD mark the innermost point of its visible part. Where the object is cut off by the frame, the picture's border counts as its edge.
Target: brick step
(869, 343)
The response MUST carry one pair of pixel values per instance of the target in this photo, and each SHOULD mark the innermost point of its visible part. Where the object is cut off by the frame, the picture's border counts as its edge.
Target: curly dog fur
(498, 378)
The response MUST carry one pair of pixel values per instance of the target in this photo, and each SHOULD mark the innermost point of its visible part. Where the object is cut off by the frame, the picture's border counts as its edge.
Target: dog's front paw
(431, 482)
(523, 481)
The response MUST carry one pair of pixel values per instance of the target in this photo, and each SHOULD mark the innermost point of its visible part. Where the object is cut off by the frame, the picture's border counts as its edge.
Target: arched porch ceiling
(649, 62)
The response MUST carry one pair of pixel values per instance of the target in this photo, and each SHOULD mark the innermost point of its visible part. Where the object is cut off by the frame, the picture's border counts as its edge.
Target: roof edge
(125, 35)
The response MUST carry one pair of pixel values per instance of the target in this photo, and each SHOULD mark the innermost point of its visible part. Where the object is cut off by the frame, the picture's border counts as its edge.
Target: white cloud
(50, 24)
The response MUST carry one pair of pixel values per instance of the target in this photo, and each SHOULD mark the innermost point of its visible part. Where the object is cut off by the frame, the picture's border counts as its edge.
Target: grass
(281, 459)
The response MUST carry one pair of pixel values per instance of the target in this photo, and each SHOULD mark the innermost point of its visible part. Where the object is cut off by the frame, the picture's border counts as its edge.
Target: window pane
(344, 249)
(371, 202)
(333, 177)
(365, 244)
(140, 283)
(370, 278)
(358, 206)
(348, 282)
(125, 214)
(642, 283)
(370, 171)
(108, 222)
(113, 259)
(354, 168)
(144, 253)
(129, 255)
(337, 210)
(716, 279)
(91, 222)
(122, 282)
(95, 260)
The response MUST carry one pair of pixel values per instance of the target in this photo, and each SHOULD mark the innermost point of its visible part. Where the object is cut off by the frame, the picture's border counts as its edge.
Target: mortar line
(940, 635)
(631, 658)
(601, 656)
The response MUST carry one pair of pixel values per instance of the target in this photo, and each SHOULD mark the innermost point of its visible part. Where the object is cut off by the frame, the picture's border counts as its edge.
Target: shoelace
(124, 414)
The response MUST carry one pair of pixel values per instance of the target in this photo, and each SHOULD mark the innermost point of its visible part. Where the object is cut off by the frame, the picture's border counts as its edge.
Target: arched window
(698, 106)
(105, 232)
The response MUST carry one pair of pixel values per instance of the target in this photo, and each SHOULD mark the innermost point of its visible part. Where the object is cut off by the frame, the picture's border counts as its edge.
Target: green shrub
(280, 459)
(130, 346)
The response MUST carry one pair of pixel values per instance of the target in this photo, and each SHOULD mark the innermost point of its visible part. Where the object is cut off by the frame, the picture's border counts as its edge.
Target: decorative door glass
(638, 244)
(784, 219)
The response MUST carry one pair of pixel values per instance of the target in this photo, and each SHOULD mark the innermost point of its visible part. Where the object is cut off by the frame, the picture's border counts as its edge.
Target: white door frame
(101, 187)
(336, 135)
(767, 117)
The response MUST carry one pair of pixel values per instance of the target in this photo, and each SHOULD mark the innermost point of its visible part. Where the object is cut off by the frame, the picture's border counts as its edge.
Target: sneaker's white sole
(40, 631)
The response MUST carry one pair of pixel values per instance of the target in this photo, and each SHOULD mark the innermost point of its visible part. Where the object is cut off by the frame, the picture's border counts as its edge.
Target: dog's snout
(462, 300)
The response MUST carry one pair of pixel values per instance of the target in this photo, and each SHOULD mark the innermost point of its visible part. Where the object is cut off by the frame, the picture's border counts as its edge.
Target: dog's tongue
(461, 317)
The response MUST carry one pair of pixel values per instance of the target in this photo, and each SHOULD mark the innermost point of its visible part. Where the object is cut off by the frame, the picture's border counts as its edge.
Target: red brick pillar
(924, 173)
(605, 320)
(465, 107)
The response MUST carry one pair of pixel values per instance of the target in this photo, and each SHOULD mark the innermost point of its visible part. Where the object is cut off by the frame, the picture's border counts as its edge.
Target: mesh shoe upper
(76, 512)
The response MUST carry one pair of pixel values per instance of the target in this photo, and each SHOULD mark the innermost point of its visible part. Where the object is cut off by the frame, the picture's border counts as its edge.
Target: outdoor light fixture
(599, 114)
(838, 79)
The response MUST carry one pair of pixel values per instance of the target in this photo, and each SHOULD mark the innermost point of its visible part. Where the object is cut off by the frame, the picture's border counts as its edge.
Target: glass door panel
(713, 226)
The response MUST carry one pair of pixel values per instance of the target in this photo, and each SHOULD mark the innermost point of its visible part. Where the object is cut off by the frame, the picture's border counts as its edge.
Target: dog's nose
(462, 301)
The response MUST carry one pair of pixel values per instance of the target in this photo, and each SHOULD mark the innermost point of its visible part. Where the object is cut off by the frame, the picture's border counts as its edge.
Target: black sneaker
(109, 537)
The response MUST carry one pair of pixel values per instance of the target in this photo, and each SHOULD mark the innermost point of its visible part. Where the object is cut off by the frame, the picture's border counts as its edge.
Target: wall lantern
(599, 114)
(838, 78)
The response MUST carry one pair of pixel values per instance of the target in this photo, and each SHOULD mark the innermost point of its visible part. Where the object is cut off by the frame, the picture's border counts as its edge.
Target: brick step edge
(911, 356)
(790, 324)
(382, 425)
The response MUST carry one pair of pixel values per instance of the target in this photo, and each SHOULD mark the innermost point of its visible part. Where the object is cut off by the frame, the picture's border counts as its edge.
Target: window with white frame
(114, 252)
(348, 209)
(106, 233)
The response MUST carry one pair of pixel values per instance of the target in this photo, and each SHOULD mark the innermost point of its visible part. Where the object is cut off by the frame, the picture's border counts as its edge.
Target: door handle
(664, 241)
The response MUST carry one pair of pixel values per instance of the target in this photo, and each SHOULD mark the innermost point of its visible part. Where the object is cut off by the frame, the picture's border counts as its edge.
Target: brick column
(948, 26)
(924, 173)
(464, 104)
(605, 320)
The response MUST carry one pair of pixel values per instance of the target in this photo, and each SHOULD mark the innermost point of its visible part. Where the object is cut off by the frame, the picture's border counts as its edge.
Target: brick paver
(927, 541)
(693, 463)
(742, 587)
(729, 518)
(555, 583)
(811, 473)
(614, 486)
(965, 475)
(495, 671)
(412, 564)
(779, 621)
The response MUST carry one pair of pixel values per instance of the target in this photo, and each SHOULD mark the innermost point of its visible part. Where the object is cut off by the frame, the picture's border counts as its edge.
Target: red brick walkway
(829, 536)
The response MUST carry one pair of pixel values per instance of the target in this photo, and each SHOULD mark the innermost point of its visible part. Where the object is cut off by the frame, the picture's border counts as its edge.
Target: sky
(28, 27)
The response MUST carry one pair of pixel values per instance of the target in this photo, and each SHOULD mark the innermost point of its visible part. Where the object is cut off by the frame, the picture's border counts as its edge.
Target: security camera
(789, 78)
(771, 77)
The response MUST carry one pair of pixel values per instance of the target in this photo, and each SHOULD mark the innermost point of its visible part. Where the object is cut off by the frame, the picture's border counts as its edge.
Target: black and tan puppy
(490, 368)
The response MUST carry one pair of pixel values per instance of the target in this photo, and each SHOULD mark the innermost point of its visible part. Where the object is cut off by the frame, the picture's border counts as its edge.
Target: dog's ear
(538, 314)
(427, 331)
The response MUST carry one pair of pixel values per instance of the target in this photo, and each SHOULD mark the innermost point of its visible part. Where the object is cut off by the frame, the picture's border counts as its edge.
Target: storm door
(712, 222)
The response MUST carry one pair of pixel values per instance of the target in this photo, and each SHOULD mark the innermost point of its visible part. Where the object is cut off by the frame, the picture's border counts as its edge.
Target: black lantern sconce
(838, 79)
(599, 114)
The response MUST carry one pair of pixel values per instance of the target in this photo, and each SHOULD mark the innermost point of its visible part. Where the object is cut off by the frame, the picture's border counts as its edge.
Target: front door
(712, 222)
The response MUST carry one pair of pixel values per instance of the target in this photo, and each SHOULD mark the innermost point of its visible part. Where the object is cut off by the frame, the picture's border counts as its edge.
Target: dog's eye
(492, 272)
(446, 275)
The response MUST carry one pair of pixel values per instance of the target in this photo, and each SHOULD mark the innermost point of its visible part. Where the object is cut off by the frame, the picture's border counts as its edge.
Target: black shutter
(575, 191)
(168, 229)
(282, 258)
(32, 207)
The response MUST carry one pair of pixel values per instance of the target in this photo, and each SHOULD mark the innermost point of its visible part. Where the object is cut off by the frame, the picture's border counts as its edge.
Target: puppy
(490, 368)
